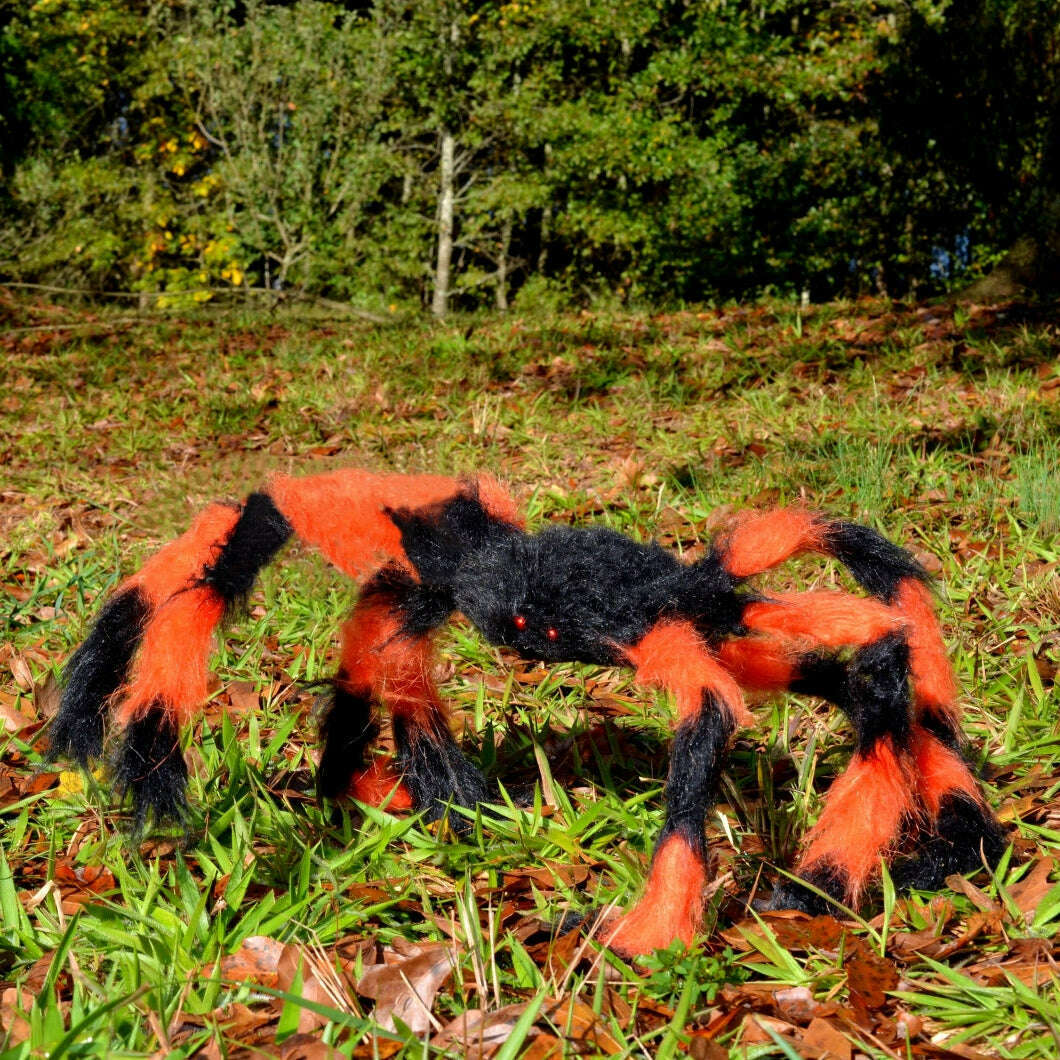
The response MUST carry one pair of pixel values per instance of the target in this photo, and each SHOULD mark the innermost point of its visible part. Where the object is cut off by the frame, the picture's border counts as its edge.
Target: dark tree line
(463, 154)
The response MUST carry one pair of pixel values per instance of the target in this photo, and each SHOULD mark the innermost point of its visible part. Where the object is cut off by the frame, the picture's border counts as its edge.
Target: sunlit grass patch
(646, 424)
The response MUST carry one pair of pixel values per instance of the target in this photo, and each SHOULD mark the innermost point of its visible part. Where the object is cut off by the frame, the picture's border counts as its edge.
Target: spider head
(514, 592)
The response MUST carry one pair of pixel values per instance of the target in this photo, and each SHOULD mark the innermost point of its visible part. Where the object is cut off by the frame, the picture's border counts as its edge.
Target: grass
(943, 434)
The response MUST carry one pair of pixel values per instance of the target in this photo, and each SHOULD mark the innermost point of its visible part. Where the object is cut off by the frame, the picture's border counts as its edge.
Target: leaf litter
(966, 393)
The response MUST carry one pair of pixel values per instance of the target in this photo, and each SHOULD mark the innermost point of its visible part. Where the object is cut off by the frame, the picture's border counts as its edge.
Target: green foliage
(649, 149)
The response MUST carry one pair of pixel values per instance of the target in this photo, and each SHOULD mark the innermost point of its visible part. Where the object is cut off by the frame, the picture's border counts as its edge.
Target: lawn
(274, 926)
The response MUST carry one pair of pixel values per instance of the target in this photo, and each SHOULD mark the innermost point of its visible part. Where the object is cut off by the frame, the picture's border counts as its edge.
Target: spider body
(424, 547)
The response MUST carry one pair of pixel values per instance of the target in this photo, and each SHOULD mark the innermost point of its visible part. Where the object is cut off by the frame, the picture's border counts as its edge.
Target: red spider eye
(519, 621)
(553, 633)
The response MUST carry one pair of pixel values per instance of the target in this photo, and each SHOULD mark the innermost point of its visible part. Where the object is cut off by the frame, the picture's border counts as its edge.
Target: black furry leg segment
(435, 770)
(696, 760)
(95, 672)
(150, 767)
(802, 894)
(258, 535)
(965, 836)
(347, 727)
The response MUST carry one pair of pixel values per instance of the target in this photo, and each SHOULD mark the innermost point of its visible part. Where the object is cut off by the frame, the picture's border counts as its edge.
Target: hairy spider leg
(958, 829)
(100, 666)
(709, 705)
(150, 646)
(170, 677)
(853, 652)
(387, 661)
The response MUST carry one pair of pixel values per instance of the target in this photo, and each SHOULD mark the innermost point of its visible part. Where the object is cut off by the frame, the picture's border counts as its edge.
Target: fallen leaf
(1029, 891)
(405, 988)
(46, 697)
(13, 719)
(257, 960)
(978, 897)
(827, 1042)
(796, 1004)
(869, 976)
(243, 697)
(20, 671)
(320, 983)
(14, 1003)
(478, 1033)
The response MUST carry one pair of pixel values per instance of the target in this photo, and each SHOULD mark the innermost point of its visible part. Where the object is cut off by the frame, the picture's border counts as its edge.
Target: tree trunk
(546, 235)
(446, 197)
(502, 264)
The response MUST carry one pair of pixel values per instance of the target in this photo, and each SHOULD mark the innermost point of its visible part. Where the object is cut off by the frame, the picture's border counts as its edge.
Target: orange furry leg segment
(934, 683)
(862, 820)
(671, 906)
(866, 807)
(822, 619)
(380, 785)
(960, 832)
(169, 683)
(759, 541)
(171, 672)
(347, 724)
(181, 563)
(762, 663)
(206, 572)
(673, 655)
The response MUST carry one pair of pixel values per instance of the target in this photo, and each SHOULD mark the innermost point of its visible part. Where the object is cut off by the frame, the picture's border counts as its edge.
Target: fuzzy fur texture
(424, 547)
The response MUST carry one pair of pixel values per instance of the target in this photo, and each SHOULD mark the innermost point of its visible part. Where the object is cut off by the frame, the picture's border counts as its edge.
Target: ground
(275, 927)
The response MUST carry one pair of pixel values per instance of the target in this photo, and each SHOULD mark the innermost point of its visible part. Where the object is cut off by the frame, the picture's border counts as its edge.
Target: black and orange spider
(424, 547)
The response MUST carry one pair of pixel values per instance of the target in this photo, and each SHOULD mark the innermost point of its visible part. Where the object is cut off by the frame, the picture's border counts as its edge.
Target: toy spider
(427, 546)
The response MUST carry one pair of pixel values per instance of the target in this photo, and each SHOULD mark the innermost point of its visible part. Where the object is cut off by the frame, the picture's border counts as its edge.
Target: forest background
(405, 153)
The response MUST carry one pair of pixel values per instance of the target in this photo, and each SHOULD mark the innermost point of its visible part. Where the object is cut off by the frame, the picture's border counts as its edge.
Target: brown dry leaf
(13, 1003)
(243, 697)
(320, 984)
(80, 884)
(38, 782)
(257, 959)
(869, 976)
(980, 900)
(1029, 892)
(756, 1028)
(797, 1004)
(550, 876)
(905, 943)
(20, 671)
(816, 933)
(544, 1047)
(480, 1033)
(405, 986)
(557, 953)
(11, 718)
(826, 1041)
(576, 1021)
(46, 697)
(702, 1048)
(978, 924)
(307, 1047)
(242, 1023)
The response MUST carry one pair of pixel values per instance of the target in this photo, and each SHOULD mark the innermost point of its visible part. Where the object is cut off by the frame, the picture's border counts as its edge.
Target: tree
(970, 93)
